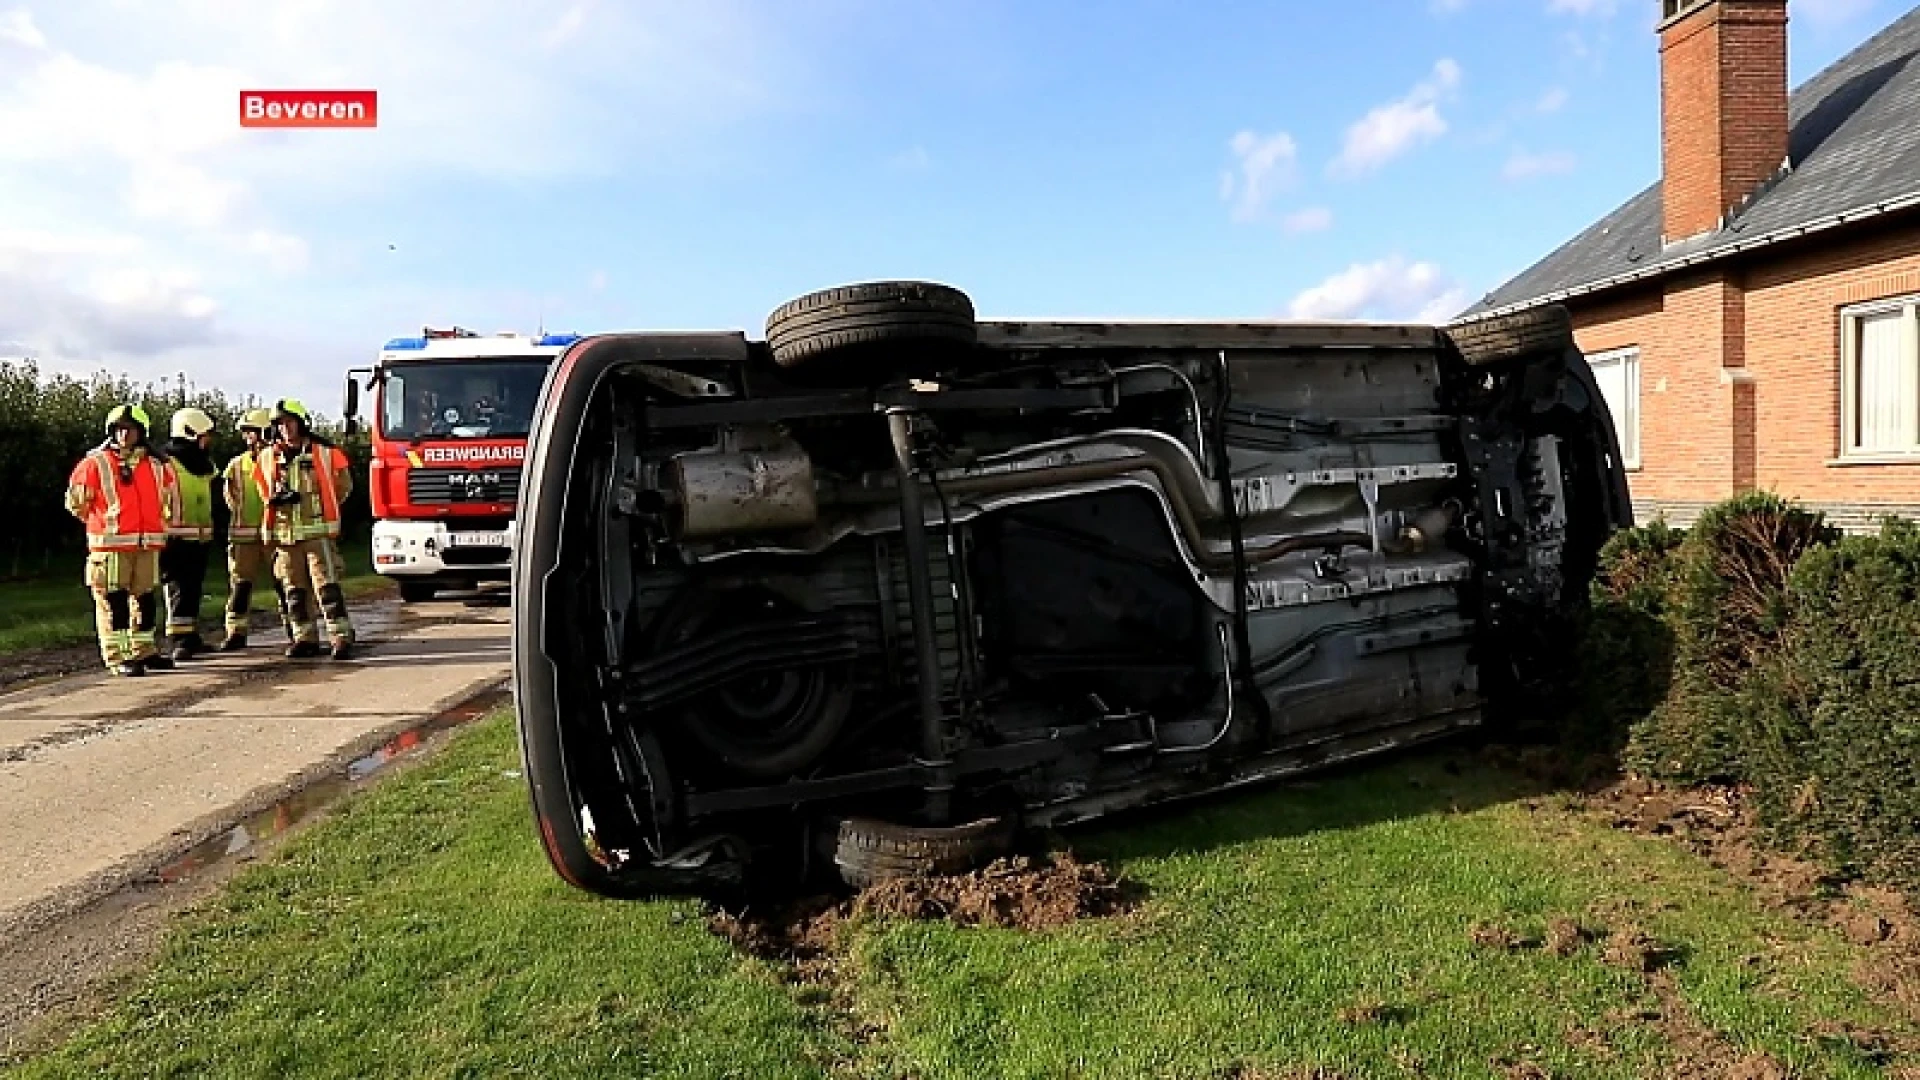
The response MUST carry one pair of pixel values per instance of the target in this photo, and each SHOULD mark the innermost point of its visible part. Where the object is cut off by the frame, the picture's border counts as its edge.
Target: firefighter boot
(129, 669)
(305, 638)
(239, 612)
(148, 605)
(333, 605)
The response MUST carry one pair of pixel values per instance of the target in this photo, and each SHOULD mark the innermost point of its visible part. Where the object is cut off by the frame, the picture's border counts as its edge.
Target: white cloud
(1264, 165)
(40, 245)
(1527, 166)
(286, 253)
(1398, 126)
(597, 281)
(138, 219)
(165, 189)
(1311, 219)
(114, 312)
(1389, 290)
(1552, 101)
(567, 27)
(17, 26)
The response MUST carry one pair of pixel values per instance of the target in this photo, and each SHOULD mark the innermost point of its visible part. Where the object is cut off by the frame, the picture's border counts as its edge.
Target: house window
(1880, 379)
(1618, 373)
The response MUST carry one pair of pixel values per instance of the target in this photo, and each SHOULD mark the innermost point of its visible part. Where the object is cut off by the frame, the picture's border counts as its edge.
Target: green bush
(48, 422)
(1762, 649)
(1725, 607)
(1625, 661)
(1838, 753)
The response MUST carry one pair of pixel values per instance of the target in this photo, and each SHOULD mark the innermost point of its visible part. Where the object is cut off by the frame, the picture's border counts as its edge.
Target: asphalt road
(102, 781)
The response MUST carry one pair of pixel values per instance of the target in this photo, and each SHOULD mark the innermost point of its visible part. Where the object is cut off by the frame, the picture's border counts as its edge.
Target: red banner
(309, 108)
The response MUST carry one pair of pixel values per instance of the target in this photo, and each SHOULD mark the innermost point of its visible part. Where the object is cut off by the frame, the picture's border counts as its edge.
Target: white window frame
(1627, 428)
(1850, 319)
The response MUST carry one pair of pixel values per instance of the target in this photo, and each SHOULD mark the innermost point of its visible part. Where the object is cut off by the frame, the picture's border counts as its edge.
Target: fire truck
(450, 415)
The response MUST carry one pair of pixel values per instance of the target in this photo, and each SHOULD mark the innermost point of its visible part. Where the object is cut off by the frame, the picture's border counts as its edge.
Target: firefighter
(249, 554)
(183, 563)
(126, 496)
(303, 479)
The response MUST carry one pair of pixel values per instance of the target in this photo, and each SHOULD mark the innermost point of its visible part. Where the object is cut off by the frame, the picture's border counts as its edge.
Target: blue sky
(609, 165)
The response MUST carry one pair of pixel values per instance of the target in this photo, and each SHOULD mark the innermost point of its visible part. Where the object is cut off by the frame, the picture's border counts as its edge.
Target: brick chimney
(1723, 107)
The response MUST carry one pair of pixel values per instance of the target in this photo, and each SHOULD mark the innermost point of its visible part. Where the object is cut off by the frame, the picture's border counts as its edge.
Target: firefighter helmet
(191, 423)
(286, 407)
(255, 419)
(128, 414)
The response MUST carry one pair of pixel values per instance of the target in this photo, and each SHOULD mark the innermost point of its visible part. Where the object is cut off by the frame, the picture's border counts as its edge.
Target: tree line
(49, 421)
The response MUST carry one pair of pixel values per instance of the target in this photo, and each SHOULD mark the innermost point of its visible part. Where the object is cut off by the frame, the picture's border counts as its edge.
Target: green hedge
(1763, 649)
(49, 421)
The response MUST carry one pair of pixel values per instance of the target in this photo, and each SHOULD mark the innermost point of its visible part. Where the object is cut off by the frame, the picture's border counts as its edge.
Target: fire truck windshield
(462, 399)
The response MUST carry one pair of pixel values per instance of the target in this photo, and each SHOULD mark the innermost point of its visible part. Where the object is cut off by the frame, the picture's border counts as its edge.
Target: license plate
(477, 539)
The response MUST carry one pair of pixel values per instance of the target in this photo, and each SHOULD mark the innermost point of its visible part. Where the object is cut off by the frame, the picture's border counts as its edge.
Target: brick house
(1754, 317)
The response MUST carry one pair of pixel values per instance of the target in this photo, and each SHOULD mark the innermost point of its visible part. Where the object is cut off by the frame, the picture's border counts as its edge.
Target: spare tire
(868, 851)
(1507, 337)
(868, 318)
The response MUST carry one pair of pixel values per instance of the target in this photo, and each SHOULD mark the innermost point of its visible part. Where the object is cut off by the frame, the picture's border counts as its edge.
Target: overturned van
(882, 589)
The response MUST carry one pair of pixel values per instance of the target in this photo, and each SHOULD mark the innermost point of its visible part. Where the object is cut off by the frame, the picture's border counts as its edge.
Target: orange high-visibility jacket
(127, 502)
(325, 484)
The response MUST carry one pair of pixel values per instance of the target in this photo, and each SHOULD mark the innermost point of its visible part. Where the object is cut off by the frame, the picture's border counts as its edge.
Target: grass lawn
(54, 611)
(421, 933)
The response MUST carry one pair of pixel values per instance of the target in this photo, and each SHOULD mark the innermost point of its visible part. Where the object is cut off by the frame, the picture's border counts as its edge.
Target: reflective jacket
(128, 502)
(320, 475)
(241, 493)
(193, 471)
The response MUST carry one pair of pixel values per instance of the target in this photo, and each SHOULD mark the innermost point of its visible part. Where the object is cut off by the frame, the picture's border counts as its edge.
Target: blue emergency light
(558, 339)
(407, 343)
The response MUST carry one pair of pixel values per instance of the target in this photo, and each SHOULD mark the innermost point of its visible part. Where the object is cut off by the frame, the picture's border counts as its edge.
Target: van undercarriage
(884, 586)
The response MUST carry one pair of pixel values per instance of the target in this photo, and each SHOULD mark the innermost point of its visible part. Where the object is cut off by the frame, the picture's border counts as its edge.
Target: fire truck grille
(442, 486)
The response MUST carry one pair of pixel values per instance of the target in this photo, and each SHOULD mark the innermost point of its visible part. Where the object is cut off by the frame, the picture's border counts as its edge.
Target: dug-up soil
(1699, 1053)
(1718, 825)
(1020, 893)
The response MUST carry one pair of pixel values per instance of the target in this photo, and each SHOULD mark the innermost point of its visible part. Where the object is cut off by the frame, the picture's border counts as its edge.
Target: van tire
(418, 592)
(868, 851)
(868, 318)
(1510, 337)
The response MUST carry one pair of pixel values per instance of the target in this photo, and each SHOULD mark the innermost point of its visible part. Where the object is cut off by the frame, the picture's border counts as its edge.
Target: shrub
(1761, 648)
(1838, 751)
(1725, 607)
(1625, 660)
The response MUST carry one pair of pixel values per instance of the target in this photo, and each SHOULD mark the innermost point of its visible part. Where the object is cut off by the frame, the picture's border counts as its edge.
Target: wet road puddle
(243, 840)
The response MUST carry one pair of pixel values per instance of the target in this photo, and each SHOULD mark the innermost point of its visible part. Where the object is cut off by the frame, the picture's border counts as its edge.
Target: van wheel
(766, 724)
(868, 851)
(1508, 337)
(885, 322)
(417, 592)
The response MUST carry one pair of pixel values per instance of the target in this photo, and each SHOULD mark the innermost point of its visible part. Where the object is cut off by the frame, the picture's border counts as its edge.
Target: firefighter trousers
(124, 605)
(307, 570)
(247, 560)
(183, 578)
